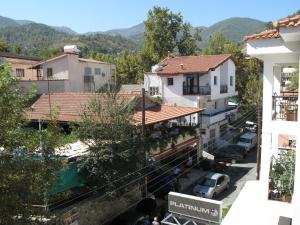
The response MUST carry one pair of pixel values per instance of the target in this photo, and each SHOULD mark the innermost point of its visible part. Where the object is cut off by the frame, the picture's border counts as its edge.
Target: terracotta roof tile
(70, 107)
(191, 64)
(162, 112)
(267, 34)
(288, 22)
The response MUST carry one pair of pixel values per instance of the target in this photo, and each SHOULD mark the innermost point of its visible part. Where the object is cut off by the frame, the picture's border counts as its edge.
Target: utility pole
(258, 151)
(199, 146)
(143, 113)
(49, 98)
(143, 139)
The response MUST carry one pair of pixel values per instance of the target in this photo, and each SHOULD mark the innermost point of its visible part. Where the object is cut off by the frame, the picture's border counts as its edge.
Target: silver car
(212, 185)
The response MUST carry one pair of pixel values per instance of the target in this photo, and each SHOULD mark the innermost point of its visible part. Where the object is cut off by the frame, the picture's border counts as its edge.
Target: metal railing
(223, 88)
(196, 90)
(285, 108)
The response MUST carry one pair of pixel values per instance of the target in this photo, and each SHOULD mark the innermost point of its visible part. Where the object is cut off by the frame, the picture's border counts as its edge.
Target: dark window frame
(49, 72)
(20, 72)
(215, 80)
(170, 81)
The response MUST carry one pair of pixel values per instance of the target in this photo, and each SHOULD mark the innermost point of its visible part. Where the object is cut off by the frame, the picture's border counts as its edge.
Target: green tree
(161, 29)
(283, 173)
(187, 44)
(24, 180)
(129, 69)
(3, 46)
(50, 52)
(295, 81)
(113, 140)
(216, 44)
(269, 25)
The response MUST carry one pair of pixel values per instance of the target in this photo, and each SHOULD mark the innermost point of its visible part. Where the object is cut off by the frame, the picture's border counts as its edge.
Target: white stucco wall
(71, 69)
(153, 80)
(275, 53)
(59, 67)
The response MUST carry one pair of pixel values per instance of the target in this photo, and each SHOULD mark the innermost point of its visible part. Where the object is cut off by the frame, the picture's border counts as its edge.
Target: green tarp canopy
(69, 177)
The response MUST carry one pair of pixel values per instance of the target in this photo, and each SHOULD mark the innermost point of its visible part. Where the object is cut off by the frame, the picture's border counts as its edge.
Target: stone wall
(97, 210)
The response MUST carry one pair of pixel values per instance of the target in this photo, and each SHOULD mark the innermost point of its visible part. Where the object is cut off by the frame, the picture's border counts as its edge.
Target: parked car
(230, 153)
(248, 140)
(211, 185)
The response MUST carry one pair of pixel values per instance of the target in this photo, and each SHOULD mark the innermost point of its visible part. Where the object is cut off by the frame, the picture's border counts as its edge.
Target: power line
(140, 177)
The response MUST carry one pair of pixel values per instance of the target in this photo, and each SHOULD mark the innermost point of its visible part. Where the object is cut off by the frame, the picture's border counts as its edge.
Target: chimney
(181, 66)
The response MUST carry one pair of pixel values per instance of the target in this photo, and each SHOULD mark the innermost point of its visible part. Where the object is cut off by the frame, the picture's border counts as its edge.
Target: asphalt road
(239, 174)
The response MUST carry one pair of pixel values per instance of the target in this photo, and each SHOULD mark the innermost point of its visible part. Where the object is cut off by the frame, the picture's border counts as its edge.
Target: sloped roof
(191, 64)
(70, 106)
(15, 56)
(267, 34)
(64, 55)
(163, 112)
(288, 22)
(274, 33)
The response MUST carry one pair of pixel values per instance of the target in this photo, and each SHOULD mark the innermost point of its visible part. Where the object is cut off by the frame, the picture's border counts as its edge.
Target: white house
(205, 81)
(280, 51)
(70, 73)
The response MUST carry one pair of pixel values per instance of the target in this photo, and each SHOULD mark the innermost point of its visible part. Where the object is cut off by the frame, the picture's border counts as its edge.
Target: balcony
(196, 90)
(285, 107)
(223, 88)
(213, 116)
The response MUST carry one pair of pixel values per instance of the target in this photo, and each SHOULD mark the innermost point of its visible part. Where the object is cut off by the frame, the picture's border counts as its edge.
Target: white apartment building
(205, 81)
(70, 73)
(279, 49)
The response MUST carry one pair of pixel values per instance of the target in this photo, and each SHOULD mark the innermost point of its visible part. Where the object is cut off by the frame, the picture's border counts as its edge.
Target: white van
(248, 140)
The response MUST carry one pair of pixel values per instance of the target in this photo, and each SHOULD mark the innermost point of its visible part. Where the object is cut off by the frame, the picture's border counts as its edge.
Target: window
(49, 72)
(212, 133)
(97, 71)
(20, 72)
(216, 104)
(231, 80)
(215, 80)
(220, 180)
(113, 72)
(103, 74)
(87, 71)
(153, 91)
(170, 81)
(88, 79)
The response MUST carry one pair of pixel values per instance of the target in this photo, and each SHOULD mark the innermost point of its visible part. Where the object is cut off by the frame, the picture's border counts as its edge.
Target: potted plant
(282, 175)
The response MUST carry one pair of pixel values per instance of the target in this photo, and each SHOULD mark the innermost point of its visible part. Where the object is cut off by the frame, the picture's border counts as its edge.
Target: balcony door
(190, 84)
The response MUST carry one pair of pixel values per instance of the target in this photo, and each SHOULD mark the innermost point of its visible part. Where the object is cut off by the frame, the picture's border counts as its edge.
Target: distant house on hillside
(20, 65)
(205, 81)
(64, 73)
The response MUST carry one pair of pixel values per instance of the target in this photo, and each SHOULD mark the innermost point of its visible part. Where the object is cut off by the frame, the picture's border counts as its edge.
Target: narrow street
(239, 174)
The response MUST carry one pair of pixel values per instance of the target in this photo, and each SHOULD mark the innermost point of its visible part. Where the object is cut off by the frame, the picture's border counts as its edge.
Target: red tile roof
(70, 106)
(288, 22)
(162, 112)
(191, 64)
(267, 34)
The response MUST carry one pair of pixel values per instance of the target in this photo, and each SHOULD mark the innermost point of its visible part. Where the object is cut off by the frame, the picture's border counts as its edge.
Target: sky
(100, 15)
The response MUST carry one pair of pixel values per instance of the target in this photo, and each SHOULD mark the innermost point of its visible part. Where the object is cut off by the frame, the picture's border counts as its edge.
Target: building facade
(197, 81)
(20, 65)
(279, 49)
(79, 74)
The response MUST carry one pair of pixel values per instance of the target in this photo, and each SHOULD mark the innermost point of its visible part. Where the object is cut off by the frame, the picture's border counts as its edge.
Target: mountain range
(32, 36)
